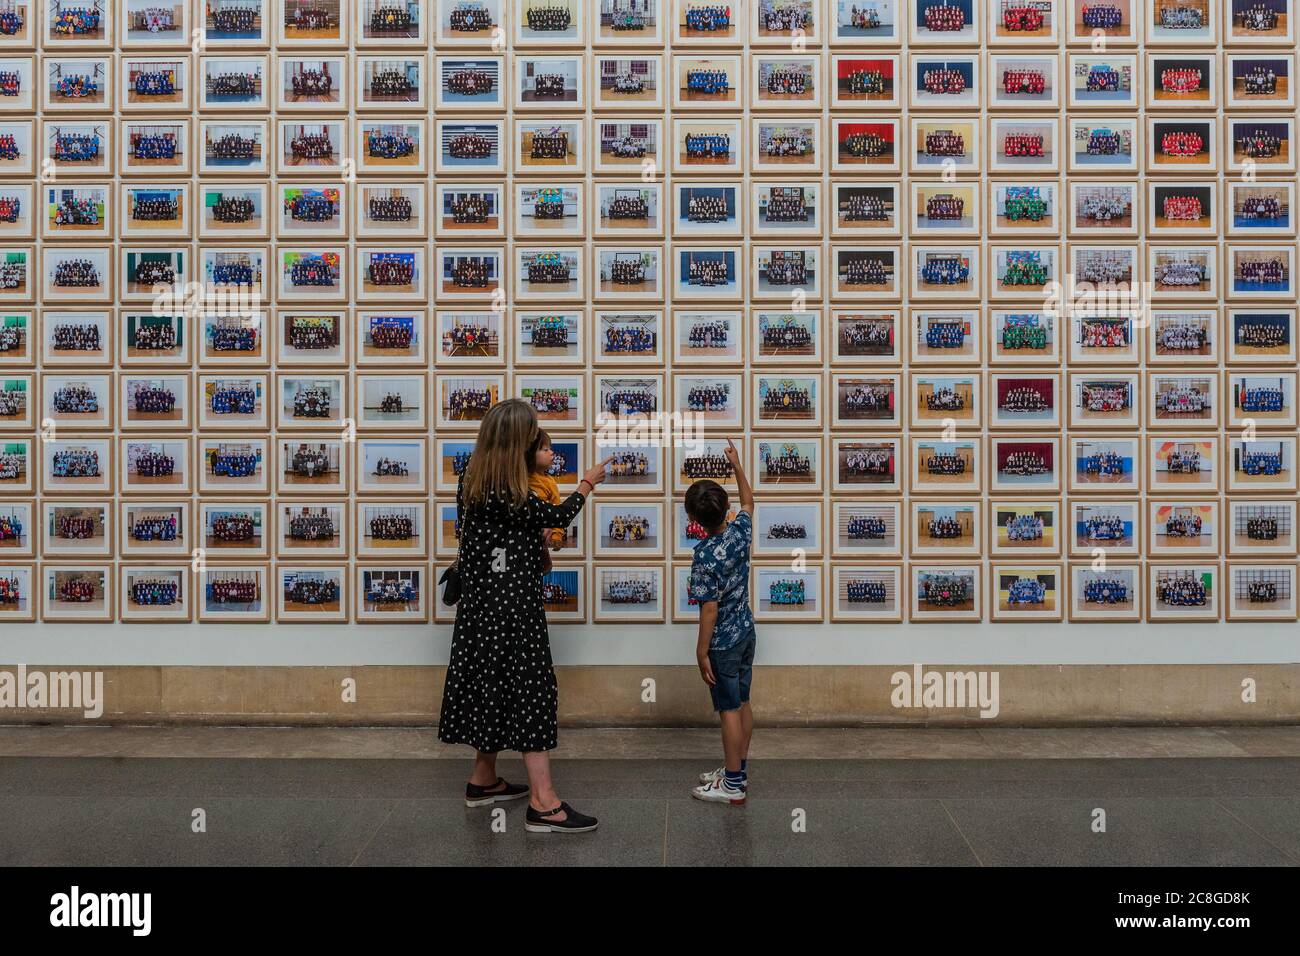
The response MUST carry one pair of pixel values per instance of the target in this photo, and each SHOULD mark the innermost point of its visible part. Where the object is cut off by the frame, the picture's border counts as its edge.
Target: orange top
(546, 488)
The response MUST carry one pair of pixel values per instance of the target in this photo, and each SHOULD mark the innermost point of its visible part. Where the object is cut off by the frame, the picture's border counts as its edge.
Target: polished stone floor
(926, 796)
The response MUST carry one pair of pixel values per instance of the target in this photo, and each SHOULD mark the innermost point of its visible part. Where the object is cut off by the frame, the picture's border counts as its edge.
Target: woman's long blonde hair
(499, 463)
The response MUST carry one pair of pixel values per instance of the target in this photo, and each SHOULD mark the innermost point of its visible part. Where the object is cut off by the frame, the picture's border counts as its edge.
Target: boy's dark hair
(707, 503)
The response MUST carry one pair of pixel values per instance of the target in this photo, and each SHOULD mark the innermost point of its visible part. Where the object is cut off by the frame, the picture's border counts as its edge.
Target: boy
(719, 583)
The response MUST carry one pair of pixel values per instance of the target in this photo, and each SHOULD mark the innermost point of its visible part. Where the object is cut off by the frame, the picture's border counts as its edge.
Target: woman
(500, 692)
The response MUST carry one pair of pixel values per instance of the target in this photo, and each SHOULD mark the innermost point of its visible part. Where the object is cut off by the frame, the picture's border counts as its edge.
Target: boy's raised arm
(742, 480)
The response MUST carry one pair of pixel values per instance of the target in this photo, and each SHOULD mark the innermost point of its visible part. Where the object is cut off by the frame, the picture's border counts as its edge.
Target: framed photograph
(945, 272)
(1183, 592)
(864, 272)
(1104, 80)
(1259, 272)
(311, 401)
(790, 401)
(946, 467)
(703, 458)
(1027, 592)
(17, 401)
(1184, 464)
(392, 594)
(1103, 146)
(627, 337)
(19, 274)
(17, 522)
(787, 465)
(77, 592)
(867, 593)
(714, 401)
(1259, 81)
(628, 528)
(945, 337)
(311, 594)
(561, 400)
(1024, 464)
(151, 465)
(393, 273)
(233, 466)
(1104, 463)
(463, 400)
(716, 146)
(551, 209)
(84, 401)
(1103, 339)
(155, 402)
(86, 274)
(311, 210)
(1024, 400)
(787, 144)
(1183, 337)
(713, 209)
(866, 338)
(946, 528)
(316, 274)
(872, 146)
(394, 146)
(80, 529)
(225, 147)
(391, 402)
(234, 83)
(622, 81)
(18, 590)
(632, 593)
(1030, 208)
(1260, 209)
(783, 594)
(91, 154)
(154, 594)
(16, 338)
(707, 338)
(1111, 527)
(1265, 399)
(1026, 528)
(1261, 336)
(946, 401)
(235, 529)
(312, 465)
(861, 80)
(1182, 80)
(322, 24)
(468, 209)
(948, 23)
(152, 528)
(233, 338)
(1263, 144)
(867, 401)
(867, 529)
(155, 83)
(80, 84)
(1110, 594)
(144, 24)
(557, 82)
(470, 83)
(395, 337)
(633, 468)
(312, 529)
(945, 592)
(1020, 144)
(1255, 24)
(628, 273)
(471, 25)
(878, 21)
(1023, 271)
(628, 146)
(1260, 527)
(451, 457)
(1104, 401)
(389, 81)
(546, 146)
(17, 466)
(234, 593)
(393, 528)
(391, 464)
(1188, 401)
(311, 337)
(942, 143)
(859, 209)
(867, 465)
(236, 271)
(1182, 144)
(76, 465)
(80, 212)
(707, 273)
(248, 24)
(233, 210)
(1264, 464)
(380, 23)
(942, 81)
(1182, 208)
(474, 273)
(1183, 527)
(1261, 592)
(1025, 337)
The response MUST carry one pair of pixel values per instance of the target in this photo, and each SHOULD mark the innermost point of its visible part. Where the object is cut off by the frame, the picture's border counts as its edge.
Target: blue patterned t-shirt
(720, 572)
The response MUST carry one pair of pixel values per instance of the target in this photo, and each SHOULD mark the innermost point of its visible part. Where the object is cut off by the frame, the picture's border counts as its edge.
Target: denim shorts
(734, 671)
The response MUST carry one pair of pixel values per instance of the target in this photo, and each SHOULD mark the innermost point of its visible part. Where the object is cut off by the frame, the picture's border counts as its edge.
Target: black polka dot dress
(500, 692)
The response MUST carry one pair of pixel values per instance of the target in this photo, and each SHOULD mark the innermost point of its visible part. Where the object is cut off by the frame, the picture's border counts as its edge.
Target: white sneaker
(717, 791)
(710, 775)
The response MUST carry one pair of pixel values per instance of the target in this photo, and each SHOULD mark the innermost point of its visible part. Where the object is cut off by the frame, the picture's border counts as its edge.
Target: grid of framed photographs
(829, 228)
